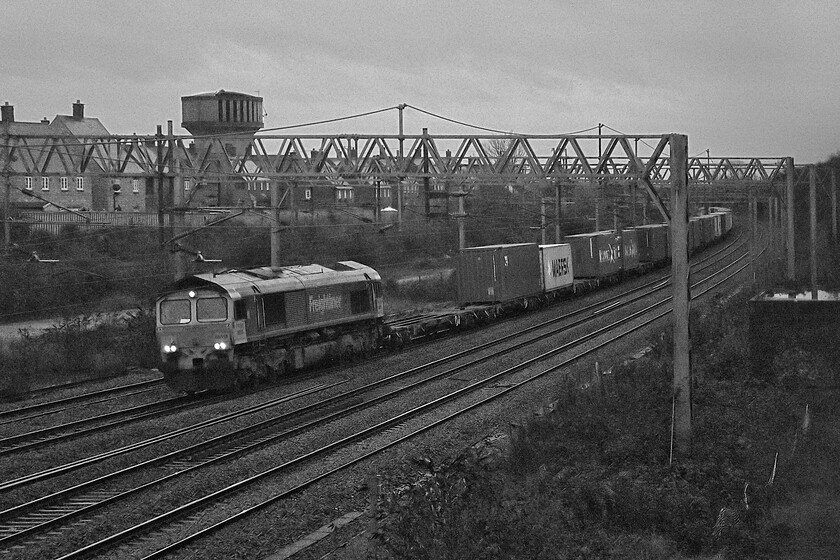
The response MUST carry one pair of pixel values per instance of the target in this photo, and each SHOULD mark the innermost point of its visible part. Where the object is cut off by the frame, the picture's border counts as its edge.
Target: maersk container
(556, 264)
(653, 242)
(495, 273)
(595, 255)
(629, 249)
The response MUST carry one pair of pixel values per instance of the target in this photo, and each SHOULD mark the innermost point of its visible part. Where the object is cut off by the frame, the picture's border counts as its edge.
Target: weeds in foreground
(76, 349)
(594, 480)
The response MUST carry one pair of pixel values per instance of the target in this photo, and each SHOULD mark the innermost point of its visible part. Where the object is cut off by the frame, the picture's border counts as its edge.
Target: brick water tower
(235, 117)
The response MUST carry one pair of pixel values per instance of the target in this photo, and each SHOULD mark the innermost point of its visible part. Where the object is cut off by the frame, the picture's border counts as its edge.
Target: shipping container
(629, 250)
(717, 222)
(556, 264)
(653, 242)
(496, 273)
(695, 234)
(705, 230)
(595, 255)
(727, 221)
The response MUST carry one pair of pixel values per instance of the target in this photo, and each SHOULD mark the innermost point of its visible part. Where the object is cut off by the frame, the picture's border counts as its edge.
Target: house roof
(25, 128)
(85, 126)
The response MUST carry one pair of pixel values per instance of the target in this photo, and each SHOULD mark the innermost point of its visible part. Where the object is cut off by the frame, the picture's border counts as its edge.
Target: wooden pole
(791, 257)
(680, 276)
(812, 180)
(274, 232)
(751, 203)
(558, 210)
(177, 216)
(834, 204)
(159, 181)
(462, 234)
(597, 203)
(7, 194)
(543, 203)
(427, 206)
(771, 223)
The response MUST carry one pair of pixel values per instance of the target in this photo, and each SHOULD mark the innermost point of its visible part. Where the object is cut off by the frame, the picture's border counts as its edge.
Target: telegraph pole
(812, 179)
(427, 207)
(557, 211)
(543, 204)
(275, 226)
(834, 204)
(159, 180)
(7, 180)
(791, 257)
(177, 215)
(401, 106)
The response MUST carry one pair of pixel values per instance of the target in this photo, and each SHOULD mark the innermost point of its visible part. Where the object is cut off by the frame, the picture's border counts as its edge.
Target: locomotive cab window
(359, 301)
(175, 311)
(211, 309)
(240, 310)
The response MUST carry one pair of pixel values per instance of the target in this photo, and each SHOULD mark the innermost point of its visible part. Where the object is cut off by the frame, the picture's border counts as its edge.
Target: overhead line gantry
(657, 163)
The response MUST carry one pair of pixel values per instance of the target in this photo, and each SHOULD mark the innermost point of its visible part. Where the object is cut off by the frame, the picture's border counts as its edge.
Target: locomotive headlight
(170, 348)
(220, 346)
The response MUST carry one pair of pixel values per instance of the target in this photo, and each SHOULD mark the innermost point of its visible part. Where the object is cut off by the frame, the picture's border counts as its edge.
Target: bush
(76, 349)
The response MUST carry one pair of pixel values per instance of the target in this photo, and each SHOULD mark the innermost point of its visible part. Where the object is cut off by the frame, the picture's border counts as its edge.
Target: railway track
(171, 526)
(88, 426)
(26, 521)
(32, 411)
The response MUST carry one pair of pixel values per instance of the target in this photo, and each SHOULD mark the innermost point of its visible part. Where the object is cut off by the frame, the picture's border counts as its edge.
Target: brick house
(50, 174)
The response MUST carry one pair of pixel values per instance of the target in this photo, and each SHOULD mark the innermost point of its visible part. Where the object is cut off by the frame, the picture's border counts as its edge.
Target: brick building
(51, 174)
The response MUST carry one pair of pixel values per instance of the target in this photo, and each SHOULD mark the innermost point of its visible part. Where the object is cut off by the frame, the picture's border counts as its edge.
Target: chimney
(45, 120)
(8, 112)
(78, 110)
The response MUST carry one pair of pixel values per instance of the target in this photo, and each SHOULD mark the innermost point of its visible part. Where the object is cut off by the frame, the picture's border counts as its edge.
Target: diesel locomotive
(218, 331)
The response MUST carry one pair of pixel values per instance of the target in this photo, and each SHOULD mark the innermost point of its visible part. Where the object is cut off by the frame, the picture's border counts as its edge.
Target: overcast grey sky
(745, 78)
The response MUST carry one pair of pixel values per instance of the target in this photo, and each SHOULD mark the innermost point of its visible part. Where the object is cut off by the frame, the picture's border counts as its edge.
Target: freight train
(218, 331)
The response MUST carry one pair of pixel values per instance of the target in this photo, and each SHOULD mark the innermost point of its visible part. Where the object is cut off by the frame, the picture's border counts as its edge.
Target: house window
(80, 183)
(135, 186)
(307, 194)
(27, 182)
(65, 183)
(45, 183)
(187, 185)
